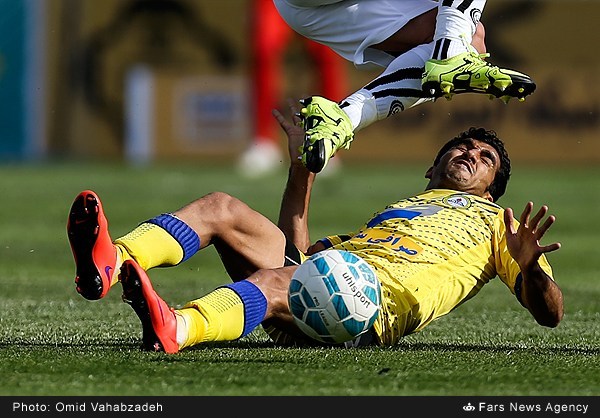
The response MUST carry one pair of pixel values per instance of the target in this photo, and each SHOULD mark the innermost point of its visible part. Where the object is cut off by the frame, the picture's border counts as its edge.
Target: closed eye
(488, 157)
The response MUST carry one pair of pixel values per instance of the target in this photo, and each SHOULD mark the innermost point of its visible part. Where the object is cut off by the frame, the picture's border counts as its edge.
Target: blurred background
(143, 81)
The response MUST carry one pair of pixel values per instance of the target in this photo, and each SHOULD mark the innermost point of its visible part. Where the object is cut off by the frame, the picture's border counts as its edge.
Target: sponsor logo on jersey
(397, 243)
(457, 201)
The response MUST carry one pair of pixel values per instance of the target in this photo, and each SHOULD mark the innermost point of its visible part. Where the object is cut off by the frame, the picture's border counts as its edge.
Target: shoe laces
(472, 49)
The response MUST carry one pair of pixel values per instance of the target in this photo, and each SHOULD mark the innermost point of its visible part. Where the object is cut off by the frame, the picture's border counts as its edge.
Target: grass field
(53, 342)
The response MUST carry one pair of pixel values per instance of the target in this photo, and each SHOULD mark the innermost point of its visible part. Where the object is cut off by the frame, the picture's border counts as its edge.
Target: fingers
(542, 230)
(278, 116)
(524, 220)
(551, 247)
(296, 119)
(535, 221)
(533, 225)
(547, 224)
(509, 220)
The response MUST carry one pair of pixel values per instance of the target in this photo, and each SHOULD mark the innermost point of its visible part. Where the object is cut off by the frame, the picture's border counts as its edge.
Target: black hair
(498, 186)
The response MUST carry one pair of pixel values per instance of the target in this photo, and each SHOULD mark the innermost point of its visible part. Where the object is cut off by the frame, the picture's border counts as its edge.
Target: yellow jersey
(432, 252)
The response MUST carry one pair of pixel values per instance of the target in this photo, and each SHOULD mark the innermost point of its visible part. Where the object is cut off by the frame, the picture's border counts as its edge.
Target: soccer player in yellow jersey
(431, 252)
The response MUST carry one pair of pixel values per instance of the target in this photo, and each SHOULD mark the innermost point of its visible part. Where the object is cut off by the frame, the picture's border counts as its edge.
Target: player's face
(468, 167)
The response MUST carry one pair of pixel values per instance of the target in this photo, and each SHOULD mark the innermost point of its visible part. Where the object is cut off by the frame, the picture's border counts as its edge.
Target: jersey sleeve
(332, 240)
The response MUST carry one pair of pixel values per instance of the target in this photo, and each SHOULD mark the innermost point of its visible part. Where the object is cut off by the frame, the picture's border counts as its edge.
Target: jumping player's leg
(397, 89)
(455, 67)
(375, 40)
(455, 26)
(373, 23)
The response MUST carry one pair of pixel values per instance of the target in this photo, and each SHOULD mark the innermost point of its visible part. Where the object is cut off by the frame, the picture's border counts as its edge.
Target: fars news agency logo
(542, 407)
(468, 407)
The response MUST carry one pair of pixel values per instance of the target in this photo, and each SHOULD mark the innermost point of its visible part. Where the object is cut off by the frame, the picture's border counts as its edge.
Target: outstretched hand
(524, 242)
(293, 129)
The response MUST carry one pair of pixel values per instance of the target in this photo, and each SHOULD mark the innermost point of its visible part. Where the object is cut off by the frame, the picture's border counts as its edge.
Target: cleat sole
(83, 229)
(314, 155)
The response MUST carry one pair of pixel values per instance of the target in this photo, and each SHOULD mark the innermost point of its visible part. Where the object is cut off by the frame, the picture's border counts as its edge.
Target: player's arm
(293, 213)
(539, 293)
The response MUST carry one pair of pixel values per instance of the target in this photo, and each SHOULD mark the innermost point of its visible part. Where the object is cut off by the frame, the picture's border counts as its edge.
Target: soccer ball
(334, 296)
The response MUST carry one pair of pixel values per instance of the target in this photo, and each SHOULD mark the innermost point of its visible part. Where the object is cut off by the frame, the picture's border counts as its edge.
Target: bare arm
(540, 294)
(293, 214)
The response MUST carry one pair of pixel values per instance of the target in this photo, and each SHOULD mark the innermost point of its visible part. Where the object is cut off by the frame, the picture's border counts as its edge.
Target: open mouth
(464, 163)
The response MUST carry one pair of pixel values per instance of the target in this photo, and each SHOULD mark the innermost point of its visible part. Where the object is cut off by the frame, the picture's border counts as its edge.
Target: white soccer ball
(334, 296)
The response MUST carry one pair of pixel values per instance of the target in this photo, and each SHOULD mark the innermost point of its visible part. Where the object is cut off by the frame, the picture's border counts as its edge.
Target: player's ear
(428, 173)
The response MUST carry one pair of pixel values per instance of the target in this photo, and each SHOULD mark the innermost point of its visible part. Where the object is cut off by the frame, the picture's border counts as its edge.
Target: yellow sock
(151, 246)
(122, 255)
(218, 316)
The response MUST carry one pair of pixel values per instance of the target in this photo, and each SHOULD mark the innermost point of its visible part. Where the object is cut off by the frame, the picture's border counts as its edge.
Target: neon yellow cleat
(328, 129)
(470, 73)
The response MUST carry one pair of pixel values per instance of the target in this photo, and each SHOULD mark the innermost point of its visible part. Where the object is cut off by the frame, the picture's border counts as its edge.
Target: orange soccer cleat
(94, 253)
(159, 324)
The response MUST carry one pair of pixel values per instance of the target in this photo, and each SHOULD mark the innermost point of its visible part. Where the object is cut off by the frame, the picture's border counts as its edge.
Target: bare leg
(380, 99)
(245, 239)
(417, 31)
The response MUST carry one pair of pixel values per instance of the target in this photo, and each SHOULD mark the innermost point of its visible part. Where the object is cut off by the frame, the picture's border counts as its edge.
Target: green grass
(53, 342)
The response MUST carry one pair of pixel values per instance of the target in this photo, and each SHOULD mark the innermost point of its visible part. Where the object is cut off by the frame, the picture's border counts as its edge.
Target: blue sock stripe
(255, 304)
(185, 236)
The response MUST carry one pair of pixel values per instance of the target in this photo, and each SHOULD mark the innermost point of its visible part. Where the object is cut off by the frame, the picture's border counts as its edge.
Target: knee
(218, 197)
(213, 212)
(219, 205)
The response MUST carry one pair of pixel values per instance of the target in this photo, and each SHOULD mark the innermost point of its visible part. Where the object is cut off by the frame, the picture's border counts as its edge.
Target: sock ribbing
(255, 304)
(185, 236)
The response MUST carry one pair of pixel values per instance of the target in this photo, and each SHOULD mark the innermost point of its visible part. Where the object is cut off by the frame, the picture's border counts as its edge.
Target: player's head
(474, 161)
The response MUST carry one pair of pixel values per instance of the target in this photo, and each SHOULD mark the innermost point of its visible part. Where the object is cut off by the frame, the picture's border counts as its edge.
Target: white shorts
(350, 27)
